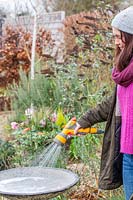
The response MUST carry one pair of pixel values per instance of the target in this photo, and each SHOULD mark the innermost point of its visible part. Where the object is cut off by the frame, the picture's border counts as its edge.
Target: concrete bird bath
(35, 183)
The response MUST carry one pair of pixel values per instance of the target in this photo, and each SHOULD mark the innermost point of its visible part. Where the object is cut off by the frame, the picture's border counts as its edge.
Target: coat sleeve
(98, 114)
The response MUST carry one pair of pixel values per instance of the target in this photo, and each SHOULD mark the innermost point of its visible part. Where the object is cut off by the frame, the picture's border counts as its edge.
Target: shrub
(7, 152)
(16, 51)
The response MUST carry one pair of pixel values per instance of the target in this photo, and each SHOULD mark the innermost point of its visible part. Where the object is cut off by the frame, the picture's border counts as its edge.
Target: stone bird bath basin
(35, 183)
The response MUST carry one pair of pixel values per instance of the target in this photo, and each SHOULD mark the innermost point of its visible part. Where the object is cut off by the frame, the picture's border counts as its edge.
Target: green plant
(38, 91)
(82, 148)
(7, 152)
(28, 142)
(68, 93)
(68, 89)
(34, 133)
(60, 197)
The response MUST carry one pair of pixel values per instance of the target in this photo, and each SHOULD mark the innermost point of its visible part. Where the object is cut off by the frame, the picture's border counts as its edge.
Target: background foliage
(73, 7)
(16, 51)
(78, 84)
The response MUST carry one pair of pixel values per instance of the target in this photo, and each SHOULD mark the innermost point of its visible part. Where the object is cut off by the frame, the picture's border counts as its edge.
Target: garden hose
(68, 131)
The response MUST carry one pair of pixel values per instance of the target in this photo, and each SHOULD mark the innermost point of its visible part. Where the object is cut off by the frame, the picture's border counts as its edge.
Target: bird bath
(35, 183)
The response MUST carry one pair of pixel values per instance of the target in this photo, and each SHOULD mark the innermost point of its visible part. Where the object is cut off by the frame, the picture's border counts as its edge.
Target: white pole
(33, 47)
(33, 50)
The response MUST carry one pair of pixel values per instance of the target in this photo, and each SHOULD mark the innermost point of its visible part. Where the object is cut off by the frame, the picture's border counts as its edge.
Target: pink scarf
(125, 77)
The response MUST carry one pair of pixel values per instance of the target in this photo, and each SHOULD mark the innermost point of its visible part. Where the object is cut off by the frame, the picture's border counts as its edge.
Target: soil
(87, 189)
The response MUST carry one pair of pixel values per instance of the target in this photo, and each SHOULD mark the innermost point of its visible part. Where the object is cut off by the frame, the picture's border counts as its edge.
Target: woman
(117, 152)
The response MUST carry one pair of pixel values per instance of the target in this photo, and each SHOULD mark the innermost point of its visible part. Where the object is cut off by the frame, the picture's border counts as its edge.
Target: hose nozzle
(68, 131)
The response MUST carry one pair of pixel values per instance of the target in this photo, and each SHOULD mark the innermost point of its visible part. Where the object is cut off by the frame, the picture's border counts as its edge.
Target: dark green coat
(111, 160)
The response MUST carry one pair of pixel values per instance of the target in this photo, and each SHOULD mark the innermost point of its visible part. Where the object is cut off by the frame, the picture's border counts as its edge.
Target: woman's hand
(77, 128)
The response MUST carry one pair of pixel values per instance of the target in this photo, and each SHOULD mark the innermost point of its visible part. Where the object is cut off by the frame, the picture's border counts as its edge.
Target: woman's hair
(123, 57)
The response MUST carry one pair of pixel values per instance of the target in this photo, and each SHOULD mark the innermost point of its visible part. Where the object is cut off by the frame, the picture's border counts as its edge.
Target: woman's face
(119, 40)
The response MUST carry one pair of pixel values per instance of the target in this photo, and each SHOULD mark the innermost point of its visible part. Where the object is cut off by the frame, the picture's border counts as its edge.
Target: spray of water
(49, 157)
